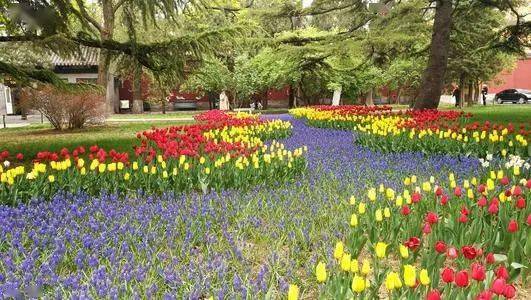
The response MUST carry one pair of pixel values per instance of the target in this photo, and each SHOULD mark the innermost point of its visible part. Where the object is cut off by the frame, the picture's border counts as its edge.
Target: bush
(66, 108)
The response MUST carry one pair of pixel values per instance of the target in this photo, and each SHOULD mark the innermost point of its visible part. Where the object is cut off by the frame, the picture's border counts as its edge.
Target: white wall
(72, 77)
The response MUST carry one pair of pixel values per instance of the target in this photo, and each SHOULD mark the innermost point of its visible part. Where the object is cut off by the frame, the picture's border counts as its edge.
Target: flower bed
(434, 239)
(221, 151)
(429, 131)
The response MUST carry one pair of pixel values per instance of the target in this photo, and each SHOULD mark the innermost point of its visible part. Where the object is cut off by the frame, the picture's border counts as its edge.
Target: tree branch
(84, 14)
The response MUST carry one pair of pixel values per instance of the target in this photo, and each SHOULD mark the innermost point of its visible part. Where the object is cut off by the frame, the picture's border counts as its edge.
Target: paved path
(149, 119)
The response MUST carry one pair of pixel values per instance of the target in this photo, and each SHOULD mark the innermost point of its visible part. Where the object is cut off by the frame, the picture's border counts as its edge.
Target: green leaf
(500, 257)
(516, 265)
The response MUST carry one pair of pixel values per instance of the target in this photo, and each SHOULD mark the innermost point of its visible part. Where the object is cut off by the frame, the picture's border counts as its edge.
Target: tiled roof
(84, 58)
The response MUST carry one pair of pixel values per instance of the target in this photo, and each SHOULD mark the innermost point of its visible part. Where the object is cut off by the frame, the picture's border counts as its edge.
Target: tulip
(478, 272)
(431, 218)
(510, 291)
(387, 212)
(469, 252)
(51, 178)
(353, 220)
(424, 277)
(426, 229)
(338, 250)
(358, 284)
(320, 272)
(461, 278)
(512, 227)
(361, 208)
(378, 215)
(498, 286)
(293, 292)
(352, 200)
(345, 262)
(485, 295)
(501, 272)
(520, 203)
(380, 249)
(416, 197)
(354, 266)
(410, 276)
(447, 275)
(433, 295)
(452, 253)
(365, 267)
(392, 281)
(440, 247)
(405, 210)
(528, 220)
(404, 252)
(444, 199)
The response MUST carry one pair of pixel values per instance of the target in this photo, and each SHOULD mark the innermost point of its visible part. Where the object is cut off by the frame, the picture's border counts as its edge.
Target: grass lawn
(503, 113)
(35, 138)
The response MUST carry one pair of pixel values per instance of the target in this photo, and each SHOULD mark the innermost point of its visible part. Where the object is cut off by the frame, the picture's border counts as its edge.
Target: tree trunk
(337, 97)
(291, 99)
(461, 90)
(105, 57)
(398, 94)
(433, 76)
(138, 103)
(369, 100)
(470, 98)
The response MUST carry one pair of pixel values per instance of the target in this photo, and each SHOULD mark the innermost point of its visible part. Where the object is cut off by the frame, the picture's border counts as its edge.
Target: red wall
(520, 77)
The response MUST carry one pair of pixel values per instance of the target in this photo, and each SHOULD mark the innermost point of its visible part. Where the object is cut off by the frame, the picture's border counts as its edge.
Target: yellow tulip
(361, 208)
(365, 267)
(392, 281)
(352, 200)
(358, 284)
(410, 276)
(127, 176)
(320, 272)
(378, 215)
(353, 220)
(354, 266)
(404, 251)
(387, 212)
(380, 249)
(293, 292)
(338, 250)
(424, 278)
(345, 262)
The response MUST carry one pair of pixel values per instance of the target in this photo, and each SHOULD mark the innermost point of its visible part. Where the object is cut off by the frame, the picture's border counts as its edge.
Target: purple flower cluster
(227, 245)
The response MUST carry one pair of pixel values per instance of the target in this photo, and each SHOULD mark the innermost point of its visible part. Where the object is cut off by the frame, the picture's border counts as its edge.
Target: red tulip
(457, 191)
(405, 210)
(490, 258)
(426, 229)
(493, 209)
(512, 227)
(431, 217)
(438, 191)
(447, 275)
(485, 295)
(20, 156)
(482, 202)
(509, 291)
(415, 198)
(463, 218)
(520, 203)
(504, 180)
(528, 221)
(501, 272)
(433, 295)
(478, 272)
(440, 247)
(528, 184)
(469, 252)
(481, 188)
(461, 278)
(498, 286)
(412, 243)
(517, 191)
(444, 199)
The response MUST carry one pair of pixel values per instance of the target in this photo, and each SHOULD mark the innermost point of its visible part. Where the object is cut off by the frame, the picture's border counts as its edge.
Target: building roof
(86, 57)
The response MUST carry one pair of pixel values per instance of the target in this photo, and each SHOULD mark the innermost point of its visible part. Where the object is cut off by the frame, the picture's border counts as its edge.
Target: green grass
(32, 139)
(502, 114)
